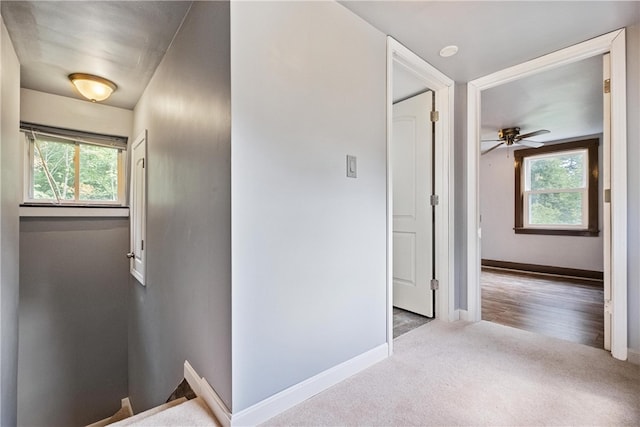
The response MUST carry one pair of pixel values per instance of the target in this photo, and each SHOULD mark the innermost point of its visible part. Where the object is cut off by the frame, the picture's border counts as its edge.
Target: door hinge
(435, 284)
(143, 163)
(435, 200)
(142, 245)
(435, 116)
(607, 86)
(607, 195)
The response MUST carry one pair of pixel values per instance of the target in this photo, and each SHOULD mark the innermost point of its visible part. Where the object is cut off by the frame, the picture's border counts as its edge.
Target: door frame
(443, 87)
(614, 43)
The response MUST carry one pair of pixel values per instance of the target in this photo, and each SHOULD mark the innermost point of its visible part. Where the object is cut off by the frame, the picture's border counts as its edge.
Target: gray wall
(184, 312)
(633, 200)
(460, 196)
(9, 226)
(309, 244)
(499, 241)
(73, 325)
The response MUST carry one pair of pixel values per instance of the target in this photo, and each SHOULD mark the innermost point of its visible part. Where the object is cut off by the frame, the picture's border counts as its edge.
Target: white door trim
(614, 43)
(443, 87)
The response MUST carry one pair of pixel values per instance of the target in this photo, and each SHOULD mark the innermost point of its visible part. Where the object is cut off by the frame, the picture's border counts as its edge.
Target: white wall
(501, 243)
(70, 113)
(309, 252)
(9, 226)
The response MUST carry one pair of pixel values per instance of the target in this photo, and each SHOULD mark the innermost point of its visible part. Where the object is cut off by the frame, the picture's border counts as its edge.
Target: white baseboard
(202, 389)
(463, 315)
(633, 356)
(298, 393)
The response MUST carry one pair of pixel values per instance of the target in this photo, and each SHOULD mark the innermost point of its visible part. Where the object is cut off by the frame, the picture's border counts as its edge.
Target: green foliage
(561, 172)
(555, 209)
(565, 171)
(54, 171)
(98, 173)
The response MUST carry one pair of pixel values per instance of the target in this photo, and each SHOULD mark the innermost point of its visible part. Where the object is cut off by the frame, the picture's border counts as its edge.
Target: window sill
(557, 232)
(74, 211)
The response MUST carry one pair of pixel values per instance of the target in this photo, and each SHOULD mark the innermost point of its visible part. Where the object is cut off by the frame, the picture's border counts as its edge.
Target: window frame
(591, 226)
(76, 138)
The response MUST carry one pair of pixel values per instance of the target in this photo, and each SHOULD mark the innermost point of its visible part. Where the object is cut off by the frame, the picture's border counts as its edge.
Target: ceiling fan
(511, 136)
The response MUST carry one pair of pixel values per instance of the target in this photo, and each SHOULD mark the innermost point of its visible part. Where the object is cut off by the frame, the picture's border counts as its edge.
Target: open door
(411, 163)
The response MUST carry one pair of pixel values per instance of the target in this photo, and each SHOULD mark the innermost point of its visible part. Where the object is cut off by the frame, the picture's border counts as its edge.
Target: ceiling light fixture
(92, 87)
(448, 51)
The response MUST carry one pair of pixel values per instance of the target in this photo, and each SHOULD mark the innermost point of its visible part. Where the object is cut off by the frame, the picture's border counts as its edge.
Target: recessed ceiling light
(449, 51)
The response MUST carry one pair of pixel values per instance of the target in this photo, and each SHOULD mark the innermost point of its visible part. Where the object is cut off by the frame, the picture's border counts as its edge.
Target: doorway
(540, 206)
(401, 60)
(615, 145)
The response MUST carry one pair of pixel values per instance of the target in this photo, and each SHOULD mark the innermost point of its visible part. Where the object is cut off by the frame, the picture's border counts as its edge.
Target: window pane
(53, 170)
(557, 172)
(555, 209)
(98, 173)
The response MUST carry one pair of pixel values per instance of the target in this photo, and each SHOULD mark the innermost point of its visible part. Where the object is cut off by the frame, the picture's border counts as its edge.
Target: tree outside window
(557, 189)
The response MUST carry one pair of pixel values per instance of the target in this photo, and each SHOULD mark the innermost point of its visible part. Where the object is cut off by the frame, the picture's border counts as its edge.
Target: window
(66, 167)
(557, 189)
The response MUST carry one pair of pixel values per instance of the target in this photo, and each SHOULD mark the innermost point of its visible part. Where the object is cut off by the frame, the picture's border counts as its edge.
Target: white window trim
(74, 211)
(29, 202)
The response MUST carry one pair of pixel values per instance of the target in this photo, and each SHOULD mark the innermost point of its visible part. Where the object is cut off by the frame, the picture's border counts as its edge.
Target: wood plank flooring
(570, 309)
(405, 321)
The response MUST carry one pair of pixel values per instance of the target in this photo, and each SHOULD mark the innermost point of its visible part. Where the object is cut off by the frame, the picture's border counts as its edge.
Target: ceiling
(567, 101)
(125, 40)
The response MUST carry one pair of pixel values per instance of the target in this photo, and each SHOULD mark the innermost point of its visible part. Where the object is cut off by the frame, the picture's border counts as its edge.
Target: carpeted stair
(182, 409)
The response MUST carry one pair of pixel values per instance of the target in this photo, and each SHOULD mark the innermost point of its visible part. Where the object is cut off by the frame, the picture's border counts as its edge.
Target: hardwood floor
(405, 321)
(570, 309)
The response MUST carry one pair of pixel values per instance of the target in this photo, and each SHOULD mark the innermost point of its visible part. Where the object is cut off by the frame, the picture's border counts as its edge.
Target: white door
(411, 171)
(138, 208)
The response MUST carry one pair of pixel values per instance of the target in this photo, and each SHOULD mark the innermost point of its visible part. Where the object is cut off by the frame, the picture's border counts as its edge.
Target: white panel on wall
(138, 208)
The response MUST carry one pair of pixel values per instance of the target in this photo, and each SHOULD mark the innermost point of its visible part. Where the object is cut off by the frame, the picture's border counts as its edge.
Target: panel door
(411, 163)
(138, 208)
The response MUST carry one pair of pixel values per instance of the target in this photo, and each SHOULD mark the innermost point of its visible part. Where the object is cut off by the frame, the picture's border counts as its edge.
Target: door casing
(443, 87)
(614, 43)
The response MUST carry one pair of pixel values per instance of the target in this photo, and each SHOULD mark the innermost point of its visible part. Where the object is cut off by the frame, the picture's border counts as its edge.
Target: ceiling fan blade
(532, 144)
(491, 149)
(532, 134)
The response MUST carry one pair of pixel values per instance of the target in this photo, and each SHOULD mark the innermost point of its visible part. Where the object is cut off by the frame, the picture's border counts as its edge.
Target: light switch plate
(352, 166)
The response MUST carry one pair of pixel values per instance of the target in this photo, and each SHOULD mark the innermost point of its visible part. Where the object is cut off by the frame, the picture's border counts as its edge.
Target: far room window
(67, 167)
(557, 189)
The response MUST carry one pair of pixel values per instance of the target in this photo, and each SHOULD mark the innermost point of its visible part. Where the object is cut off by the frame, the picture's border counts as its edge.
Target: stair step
(123, 412)
(192, 413)
(148, 413)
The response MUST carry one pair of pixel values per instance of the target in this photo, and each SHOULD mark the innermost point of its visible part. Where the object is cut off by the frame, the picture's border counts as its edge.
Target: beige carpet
(461, 373)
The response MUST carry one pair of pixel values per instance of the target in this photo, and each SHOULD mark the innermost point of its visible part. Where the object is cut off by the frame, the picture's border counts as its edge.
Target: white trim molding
(202, 389)
(280, 402)
(443, 87)
(74, 211)
(614, 43)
